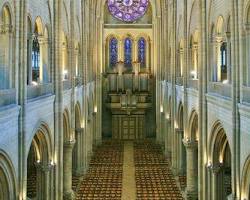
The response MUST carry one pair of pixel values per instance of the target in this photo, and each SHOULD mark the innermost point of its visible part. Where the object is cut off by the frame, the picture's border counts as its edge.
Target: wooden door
(128, 128)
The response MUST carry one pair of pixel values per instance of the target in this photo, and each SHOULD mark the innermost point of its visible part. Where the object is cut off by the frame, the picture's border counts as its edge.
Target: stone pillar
(29, 57)
(192, 169)
(148, 54)
(180, 161)
(43, 179)
(162, 131)
(168, 137)
(41, 42)
(175, 152)
(120, 50)
(78, 169)
(135, 51)
(68, 193)
(94, 136)
(228, 57)
(217, 187)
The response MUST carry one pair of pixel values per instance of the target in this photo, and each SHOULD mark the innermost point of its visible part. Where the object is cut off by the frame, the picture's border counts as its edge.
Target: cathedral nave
(124, 99)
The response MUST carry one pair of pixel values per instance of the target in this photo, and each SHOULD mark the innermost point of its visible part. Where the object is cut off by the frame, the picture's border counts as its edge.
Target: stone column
(217, 185)
(68, 193)
(180, 162)
(168, 137)
(148, 54)
(162, 131)
(192, 169)
(44, 182)
(120, 50)
(29, 56)
(195, 60)
(228, 57)
(41, 42)
(173, 79)
(135, 51)
(94, 136)
(78, 169)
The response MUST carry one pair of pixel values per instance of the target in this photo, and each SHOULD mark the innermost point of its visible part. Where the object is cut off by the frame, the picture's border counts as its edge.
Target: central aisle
(128, 170)
(128, 181)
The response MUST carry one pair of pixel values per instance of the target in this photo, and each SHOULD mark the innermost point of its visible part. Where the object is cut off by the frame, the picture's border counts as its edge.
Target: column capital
(44, 167)
(190, 144)
(168, 119)
(69, 143)
(79, 130)
(247, 27)
(30, 36)
(41, 39)
(215, 168)
(179, 131)
(6, 28)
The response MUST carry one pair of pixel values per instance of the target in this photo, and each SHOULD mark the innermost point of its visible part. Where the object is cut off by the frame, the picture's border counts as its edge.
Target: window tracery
(113, 52)
(35, 59)
(128, 53)
(142, 52)
(128, 10)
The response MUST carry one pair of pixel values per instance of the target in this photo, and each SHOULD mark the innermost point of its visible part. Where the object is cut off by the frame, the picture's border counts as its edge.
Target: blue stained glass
(113, 52)
(142, 52)
(128, 53)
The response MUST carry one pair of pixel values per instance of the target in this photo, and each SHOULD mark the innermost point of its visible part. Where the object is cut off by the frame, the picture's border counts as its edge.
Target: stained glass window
(223, 51)
(128, 10)
(142, 52)
(35, 59)
(113, 52)
(128, 53)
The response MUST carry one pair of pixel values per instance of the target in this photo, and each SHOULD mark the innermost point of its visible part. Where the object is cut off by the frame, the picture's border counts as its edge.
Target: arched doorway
(7, 178)
(68, 144)
(191, 144)
(220, 164)
(40, 165)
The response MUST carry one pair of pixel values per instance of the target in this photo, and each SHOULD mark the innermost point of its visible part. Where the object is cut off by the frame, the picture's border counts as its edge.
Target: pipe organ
(128, 97)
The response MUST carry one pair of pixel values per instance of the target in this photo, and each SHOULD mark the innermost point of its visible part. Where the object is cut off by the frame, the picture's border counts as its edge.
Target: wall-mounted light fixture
(193, 74)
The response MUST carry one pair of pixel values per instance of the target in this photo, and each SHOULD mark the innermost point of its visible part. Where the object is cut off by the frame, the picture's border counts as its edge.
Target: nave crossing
(109, 175)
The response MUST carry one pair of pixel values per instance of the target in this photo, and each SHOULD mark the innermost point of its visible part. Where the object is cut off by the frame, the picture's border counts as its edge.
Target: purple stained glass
(128, 10)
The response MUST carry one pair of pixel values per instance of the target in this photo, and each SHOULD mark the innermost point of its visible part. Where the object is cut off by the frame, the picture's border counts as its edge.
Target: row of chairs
(32, 183)
(103, 180)
(183, 182)
(154, 179)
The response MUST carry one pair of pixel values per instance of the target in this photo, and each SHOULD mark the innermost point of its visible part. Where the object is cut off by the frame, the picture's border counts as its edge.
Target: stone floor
(129, 171)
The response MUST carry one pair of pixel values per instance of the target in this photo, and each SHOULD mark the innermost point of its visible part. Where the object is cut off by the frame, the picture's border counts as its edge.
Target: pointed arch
(193, 126)
(218, 143)
(39, 27)
(8, 181)
(180, 116)
(245, 180)
(66, 126)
